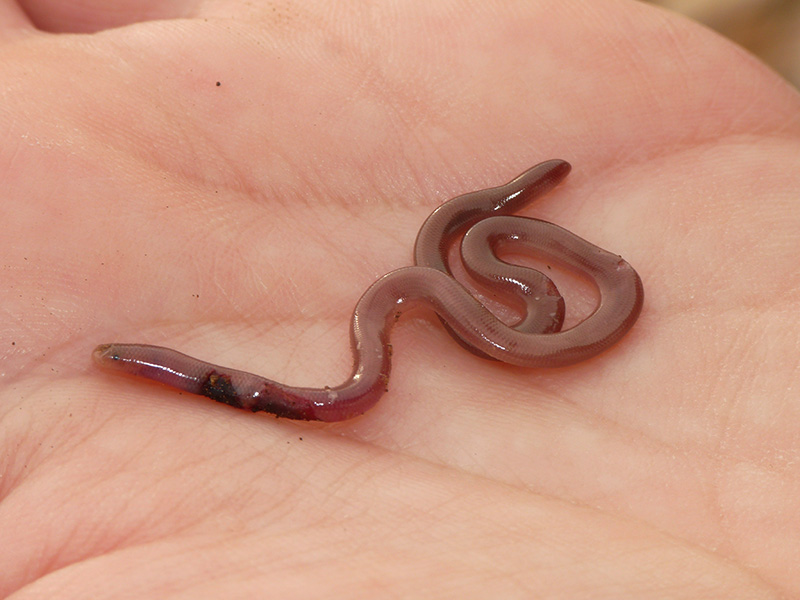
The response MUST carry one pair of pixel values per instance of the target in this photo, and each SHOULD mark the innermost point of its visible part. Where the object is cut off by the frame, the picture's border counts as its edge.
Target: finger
(86, 16)
(13, 19)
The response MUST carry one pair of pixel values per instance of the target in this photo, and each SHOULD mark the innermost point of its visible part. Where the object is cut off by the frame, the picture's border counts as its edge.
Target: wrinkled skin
(240, 223)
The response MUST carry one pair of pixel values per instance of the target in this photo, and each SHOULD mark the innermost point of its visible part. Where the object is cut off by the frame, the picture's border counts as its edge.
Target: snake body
(484, 219)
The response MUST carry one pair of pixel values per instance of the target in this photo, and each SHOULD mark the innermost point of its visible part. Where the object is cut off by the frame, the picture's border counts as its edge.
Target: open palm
(227, 178)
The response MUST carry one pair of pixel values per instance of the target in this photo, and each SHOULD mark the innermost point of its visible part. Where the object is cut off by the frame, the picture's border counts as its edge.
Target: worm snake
(483, 218)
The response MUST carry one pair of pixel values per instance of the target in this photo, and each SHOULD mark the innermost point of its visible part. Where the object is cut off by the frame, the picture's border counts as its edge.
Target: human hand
(240, 223)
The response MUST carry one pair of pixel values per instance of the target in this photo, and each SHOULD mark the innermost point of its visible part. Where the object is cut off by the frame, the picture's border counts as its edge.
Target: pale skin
(241, 222)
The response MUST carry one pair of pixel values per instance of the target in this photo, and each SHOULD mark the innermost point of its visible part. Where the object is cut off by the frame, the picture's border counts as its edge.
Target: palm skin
(240, 222)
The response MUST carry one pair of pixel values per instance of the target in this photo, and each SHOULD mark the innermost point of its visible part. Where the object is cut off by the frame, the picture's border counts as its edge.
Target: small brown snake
(535, 341)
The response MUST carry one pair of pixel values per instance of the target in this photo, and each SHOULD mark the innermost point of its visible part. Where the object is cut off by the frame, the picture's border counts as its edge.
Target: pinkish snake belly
(535, 341)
